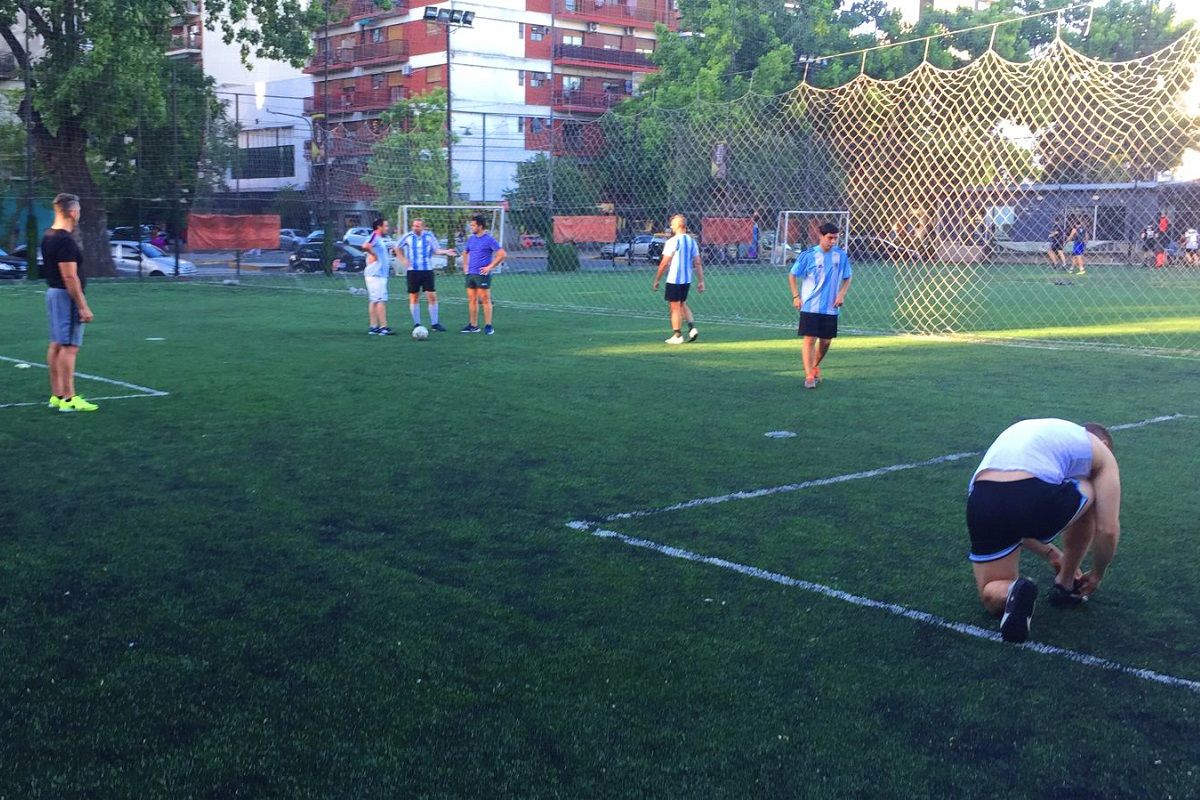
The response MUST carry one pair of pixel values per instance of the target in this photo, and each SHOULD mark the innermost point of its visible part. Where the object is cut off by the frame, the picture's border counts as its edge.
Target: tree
(575, 192)
(103, 65)
(408, 166)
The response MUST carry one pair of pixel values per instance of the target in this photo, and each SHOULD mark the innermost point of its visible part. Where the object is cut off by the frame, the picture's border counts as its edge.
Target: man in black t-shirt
(66, 305)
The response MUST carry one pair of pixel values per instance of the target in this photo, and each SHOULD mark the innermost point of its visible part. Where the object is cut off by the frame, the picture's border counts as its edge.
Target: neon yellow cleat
(77, 403)
(55, 402)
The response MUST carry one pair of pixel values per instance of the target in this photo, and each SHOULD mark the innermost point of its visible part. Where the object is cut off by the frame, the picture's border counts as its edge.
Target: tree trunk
(64, 157)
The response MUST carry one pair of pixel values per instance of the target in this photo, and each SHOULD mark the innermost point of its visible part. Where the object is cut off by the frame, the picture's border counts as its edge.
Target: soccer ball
(420, 333)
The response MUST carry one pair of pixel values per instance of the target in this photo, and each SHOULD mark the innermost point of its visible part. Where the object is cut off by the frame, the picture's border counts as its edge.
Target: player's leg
(808, 355)
(473, 306)
(431, 300)
(993, 579)
(690, 319)
(1077, 536)
(676, 315)
(414, 307)
(485, 299)
(52, 356)
(66, 369)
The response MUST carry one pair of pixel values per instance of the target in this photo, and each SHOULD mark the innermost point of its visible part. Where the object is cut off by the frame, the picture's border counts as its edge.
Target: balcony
(184, 43)
(360, 100)
(190, 10)
(369, 54)
(586, 102)
(616, 13)
(593, 56)
(356, 10)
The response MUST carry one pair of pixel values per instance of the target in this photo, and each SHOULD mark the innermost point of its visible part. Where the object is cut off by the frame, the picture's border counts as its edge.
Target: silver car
(133, 258)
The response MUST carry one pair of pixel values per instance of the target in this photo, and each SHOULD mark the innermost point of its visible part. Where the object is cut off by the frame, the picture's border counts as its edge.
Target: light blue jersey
(380, 267)
(683, 250)
(419, 250)
(821, 277)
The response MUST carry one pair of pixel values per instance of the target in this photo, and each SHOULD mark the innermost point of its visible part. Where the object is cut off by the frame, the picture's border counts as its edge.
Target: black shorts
(419, 279)
(677, 292)
(1001, 514)
(1056, 246)
(822, 326)
(476, 281)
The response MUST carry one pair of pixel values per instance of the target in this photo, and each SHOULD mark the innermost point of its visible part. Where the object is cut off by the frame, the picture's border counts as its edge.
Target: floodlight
(443, 16)
(431, 13)
(468, 18)
(456, 16)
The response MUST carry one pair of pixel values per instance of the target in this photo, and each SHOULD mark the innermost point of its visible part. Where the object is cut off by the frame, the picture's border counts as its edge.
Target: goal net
(798, 230)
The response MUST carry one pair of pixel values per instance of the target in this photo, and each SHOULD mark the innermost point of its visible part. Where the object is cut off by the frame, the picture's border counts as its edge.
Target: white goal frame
(783, 252)
(402, 215)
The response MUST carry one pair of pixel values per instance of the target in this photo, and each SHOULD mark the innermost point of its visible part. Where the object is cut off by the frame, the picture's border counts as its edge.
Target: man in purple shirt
(481, 254)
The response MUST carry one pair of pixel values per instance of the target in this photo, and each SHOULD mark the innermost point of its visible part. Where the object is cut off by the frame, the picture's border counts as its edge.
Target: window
(265, 162)
(520, 124)
(572, 83)
(536, 33)
(573, 40)
(520, 77)
(536, 79)
(377, 81)
(377, 34)
(572, 136)
(643, 46)
(434, 74)
(520, 30)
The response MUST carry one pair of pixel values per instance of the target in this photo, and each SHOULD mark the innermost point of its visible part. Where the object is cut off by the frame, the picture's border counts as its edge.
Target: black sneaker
(470, 329)
(1062, 597)
(386, 331)
(1018, 610)
(437, 326)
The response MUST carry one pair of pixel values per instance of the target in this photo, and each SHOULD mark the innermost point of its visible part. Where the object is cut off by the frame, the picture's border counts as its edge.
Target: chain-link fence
(1053, 199)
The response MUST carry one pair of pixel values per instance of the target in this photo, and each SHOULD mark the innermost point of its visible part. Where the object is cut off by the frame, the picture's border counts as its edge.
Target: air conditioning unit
(406, 70)
(593, 27)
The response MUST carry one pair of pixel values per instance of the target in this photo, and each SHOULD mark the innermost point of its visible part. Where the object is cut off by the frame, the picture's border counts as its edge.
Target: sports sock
(415, 310)
(677, 332)
(433, 313)
(690, 326)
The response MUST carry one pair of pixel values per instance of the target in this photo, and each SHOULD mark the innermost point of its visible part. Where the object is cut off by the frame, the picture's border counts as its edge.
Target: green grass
(332, 565)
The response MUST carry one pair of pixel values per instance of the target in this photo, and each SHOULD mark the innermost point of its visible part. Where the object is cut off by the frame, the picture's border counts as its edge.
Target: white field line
(922, 617)
(110, 397)
(144, 391)
(852, 476)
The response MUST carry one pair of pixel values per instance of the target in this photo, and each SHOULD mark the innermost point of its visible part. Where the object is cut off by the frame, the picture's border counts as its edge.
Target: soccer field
(565, 561)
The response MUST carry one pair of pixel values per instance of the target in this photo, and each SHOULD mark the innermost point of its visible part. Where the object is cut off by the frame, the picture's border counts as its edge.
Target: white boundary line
(144, 391)
(922, 617)
(852, 476)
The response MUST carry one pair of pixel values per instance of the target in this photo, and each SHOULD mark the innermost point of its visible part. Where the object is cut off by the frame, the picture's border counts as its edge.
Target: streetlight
(449, 18)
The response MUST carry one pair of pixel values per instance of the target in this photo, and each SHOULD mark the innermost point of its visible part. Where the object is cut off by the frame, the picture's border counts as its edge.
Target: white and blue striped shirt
(419, 250)
(683, 250)
(822, 275)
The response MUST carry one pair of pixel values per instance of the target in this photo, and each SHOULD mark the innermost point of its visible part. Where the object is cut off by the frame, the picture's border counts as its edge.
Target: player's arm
(498, 255)
(841, 295)
(1106, 483)
(69, 270)
(369, 248)
(663, 263)
(696, 265)
(401, 255)
(795, 286)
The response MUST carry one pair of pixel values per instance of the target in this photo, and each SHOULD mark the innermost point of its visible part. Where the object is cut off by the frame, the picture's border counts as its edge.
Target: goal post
(799, 229)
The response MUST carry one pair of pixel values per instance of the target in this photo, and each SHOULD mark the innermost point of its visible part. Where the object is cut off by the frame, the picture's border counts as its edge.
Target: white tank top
(1052, 450)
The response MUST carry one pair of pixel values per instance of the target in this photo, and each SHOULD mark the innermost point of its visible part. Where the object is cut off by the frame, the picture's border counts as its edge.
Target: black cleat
(1062, 597)
(1018, 610)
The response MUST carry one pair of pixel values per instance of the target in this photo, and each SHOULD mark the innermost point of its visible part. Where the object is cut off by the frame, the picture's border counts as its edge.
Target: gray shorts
(65, 327)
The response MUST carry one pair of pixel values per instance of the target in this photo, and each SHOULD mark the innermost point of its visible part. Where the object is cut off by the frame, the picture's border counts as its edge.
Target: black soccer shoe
(1018, 610)
(1062, 597)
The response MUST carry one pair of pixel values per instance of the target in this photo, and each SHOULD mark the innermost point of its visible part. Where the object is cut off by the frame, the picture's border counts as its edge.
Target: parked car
(316, 236)
(309, 258)
(11, 266)
(615, 250)
(133, 258)
(640, 246)
(19, 251)
(129, 233)
(357, 237)
(290, 238)
(532, 240)
(654, 250)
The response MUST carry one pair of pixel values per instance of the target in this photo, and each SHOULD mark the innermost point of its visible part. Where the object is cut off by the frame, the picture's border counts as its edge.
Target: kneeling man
(1040, 478)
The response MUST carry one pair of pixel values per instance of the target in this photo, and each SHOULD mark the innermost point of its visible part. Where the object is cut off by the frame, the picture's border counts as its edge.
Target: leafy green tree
(575, 192)
(408, 166)
(103, 66)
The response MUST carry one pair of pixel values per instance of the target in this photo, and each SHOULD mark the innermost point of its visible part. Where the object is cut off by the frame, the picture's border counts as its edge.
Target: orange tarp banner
(585, 229)
(233, 231)
(727, 230)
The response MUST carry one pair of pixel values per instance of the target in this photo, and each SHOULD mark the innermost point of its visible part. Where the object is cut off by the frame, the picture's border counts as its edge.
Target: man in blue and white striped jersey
(680, 258)
(416, 251)
(825, 271)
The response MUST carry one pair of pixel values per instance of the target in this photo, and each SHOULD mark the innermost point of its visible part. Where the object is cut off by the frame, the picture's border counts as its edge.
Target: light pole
(449, 18)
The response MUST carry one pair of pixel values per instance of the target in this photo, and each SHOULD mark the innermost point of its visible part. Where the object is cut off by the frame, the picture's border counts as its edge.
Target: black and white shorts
(418, 280)
(1002, 513)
